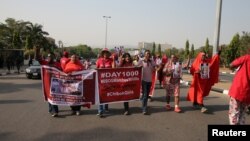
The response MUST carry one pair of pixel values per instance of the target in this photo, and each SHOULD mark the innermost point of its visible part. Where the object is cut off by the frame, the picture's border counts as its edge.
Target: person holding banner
(126, 61)
(74, 65)
(148, 66)
(64, 60)
(104, 62)
(173, 73)
(239, 91)
(53, 109)
(205, 74)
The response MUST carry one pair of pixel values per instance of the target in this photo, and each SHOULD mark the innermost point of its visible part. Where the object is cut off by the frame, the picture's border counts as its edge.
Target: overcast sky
(132, 21)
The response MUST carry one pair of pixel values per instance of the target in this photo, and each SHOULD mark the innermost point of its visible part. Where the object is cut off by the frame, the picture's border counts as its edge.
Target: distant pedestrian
(240, 90)
(30, 61)
(19, 61)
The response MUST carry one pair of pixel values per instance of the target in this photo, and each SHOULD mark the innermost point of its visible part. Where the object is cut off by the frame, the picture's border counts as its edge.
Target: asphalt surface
(24, 116)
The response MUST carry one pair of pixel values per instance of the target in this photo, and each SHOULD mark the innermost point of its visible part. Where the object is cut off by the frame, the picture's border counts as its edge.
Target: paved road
(24, 116)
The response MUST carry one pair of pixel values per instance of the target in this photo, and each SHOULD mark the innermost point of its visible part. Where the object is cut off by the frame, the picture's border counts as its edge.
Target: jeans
(101, 108)
(53, 108)
(126, 107)
(145, 94)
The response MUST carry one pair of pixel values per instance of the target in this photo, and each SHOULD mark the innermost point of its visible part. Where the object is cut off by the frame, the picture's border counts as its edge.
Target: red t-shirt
(104, 63)
(70, 67)
(64, 61)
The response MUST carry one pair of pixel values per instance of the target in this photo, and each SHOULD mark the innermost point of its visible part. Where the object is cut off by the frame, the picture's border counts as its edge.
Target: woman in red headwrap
(205, 74)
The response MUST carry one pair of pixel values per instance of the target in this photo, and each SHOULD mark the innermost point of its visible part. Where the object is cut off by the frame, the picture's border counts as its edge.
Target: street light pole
(60, 44)
(106, 33)
(217, 27)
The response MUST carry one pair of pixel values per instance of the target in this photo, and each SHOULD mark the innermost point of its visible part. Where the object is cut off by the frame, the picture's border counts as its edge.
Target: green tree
(187, 49)
(12, 34)
(206, 48)
(233, 49)
(244, 43)
(192, 51)
(153, 50)
(159, 49)
(36, 36)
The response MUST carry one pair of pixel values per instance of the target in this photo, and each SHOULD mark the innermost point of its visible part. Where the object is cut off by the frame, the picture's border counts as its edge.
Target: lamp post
(106, 33)
(217, 27)
(60, 44)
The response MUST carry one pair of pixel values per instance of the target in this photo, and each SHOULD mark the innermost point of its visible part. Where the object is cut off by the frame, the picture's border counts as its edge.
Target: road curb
(186, 83)
(228, 72)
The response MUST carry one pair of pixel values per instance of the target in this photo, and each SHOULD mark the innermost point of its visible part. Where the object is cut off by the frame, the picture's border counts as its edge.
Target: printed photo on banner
(66, 87)
(177, 70)
(204, 71)
(75, 89)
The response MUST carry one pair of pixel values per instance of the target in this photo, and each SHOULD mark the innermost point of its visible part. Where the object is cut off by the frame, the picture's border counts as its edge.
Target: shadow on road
(7, 88)
(102, 133)
(14, 101)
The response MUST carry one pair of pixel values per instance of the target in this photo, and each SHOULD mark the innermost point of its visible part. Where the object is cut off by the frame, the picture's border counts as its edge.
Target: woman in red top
(203, 79)
(240, 90)
(104, 62)
(74, 65)
(126, 61)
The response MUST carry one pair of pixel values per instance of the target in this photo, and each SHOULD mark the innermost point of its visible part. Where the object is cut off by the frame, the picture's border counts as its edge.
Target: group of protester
(205, 73)
(11, 61)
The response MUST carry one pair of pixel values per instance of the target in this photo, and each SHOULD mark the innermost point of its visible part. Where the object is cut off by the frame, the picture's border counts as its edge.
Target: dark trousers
(75, 108)
(126, 106)
(53, 108)
(145, 94)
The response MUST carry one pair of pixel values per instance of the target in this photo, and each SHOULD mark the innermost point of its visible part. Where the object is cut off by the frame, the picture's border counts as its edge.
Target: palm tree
(36, 37)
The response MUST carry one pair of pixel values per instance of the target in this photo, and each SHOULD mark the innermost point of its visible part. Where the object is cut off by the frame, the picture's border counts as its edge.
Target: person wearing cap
(205, 74)
(64, 60)
(53, 109)
(104, 62)
(74, 65)
(239, 91)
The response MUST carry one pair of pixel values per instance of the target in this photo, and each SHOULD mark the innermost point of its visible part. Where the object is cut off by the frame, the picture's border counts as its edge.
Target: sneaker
(196, 106)
(145, 113)
(54, 115)
(177, 109)
(150, 99)
(100, 115)
(78, 113)
(126, 113)
(168, 107)
(203, 109)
